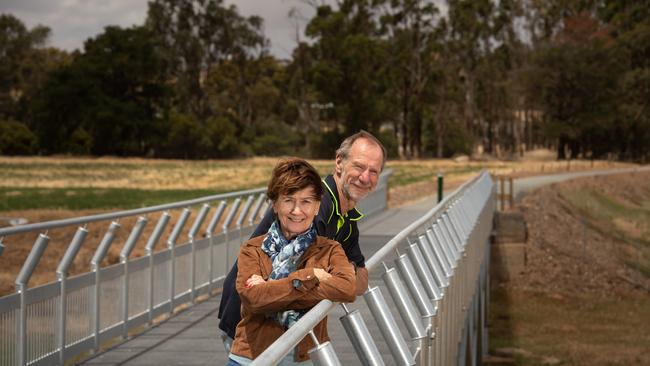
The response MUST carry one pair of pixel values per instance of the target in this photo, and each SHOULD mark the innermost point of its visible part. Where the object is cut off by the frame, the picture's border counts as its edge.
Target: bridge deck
(192, 337)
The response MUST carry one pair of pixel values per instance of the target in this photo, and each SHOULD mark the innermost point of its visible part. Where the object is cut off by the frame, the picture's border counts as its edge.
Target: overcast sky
(74, 21)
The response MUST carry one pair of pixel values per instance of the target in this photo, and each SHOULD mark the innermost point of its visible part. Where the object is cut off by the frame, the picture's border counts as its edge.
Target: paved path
(524, 185)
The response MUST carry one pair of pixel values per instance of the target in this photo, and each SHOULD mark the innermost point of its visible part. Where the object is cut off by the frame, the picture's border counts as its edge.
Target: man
(359, 161)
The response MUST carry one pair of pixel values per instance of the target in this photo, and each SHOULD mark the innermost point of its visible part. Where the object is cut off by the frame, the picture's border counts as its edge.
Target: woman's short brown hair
(291, 175)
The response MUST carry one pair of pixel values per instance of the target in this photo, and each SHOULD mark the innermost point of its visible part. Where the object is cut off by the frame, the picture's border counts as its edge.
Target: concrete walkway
(524, 185)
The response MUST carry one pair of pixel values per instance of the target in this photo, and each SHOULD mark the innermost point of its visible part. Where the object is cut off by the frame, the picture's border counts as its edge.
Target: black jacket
(329, 223)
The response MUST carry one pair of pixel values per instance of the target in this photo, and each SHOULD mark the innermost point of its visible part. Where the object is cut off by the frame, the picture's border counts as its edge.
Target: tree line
(196, 80)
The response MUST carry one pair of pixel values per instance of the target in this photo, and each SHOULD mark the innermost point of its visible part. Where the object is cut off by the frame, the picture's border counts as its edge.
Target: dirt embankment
(584, 295)
(589, 235)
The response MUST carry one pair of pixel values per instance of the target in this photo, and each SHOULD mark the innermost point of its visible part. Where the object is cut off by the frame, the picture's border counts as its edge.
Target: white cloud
(74, 21)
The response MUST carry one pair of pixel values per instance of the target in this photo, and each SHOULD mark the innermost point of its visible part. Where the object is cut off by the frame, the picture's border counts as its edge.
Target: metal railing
(439, 285)
(55, 322)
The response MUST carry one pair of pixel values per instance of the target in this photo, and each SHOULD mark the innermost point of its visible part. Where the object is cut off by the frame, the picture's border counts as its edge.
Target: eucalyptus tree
(196, 36)
(629, 25)
(346, 66)
(22, 65)
(470, 38)
(408, 27)
(578, 77)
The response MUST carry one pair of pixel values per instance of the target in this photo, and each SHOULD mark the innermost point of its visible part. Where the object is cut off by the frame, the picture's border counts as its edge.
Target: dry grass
(224, 175)
(231, 175)
(68, 176)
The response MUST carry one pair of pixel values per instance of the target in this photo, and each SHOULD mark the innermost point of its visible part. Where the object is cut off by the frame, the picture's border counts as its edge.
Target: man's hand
(254, 280)
(321, 274)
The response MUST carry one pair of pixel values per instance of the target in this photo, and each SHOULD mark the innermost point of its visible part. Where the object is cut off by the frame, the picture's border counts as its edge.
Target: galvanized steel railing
(439, 284)
(55, 322)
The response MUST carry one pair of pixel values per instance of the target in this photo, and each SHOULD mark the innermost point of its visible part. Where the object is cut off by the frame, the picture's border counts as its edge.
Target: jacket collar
(268, 265)
(330, 185)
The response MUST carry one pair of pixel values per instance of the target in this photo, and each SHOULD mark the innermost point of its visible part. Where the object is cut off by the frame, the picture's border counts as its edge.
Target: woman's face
(296, 211)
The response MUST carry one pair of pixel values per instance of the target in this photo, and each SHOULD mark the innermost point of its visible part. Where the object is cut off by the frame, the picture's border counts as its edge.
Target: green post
(439, 186)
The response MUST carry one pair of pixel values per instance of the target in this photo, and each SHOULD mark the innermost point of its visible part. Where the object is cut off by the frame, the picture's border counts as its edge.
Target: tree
(409, 28)
(23, 65)
(112, 97)
(196, 36)
(346, 65)
(578, 80)
(16, 139)
(630, 29)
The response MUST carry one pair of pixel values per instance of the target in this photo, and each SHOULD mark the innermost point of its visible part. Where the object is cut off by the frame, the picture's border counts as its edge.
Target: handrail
(392, 243)
(190, 266)
(283, 345)
(40, 226)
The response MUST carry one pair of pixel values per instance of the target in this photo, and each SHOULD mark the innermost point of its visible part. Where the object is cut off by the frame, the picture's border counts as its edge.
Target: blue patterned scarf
(285, 256)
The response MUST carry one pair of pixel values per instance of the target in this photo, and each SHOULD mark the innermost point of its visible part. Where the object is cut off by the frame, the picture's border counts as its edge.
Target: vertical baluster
(124, 260)
(209, 233)
(171, 245)
(191, 236)
(62, 275)
(149, 248)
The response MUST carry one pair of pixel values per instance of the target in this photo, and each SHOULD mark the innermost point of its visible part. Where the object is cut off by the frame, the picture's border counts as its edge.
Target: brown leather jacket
(255, 332)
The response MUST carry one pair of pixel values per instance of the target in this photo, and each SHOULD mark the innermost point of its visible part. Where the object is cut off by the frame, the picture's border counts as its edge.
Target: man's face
(360, 171)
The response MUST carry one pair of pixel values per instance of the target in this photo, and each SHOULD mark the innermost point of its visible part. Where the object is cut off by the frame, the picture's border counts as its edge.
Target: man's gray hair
(344, 150)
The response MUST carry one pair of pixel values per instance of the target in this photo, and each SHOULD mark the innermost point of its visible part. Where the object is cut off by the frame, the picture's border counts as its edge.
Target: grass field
(40, 189)
(116, 183)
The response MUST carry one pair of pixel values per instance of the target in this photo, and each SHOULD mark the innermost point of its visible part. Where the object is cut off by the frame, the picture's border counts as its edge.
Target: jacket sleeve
(362, 281)
(272, 295)
(340, 287)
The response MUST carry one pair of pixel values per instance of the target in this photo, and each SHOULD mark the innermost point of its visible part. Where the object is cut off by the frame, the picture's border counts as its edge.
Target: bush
(275, 138)
(80, 142)
(456, 140)
(17, 139)
(324, 145)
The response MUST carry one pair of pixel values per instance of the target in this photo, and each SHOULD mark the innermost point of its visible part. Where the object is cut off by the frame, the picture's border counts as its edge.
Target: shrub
(16, 139)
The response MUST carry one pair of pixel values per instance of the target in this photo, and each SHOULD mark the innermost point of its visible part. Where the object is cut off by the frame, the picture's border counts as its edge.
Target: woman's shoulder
(326, 242)
(255, 242)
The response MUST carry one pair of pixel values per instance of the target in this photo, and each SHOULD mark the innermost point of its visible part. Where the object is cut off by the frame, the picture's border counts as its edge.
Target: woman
(290, 269)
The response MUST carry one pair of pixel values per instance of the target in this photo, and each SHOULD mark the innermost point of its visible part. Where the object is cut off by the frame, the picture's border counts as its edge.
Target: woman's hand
(321, 274)
(254, 280)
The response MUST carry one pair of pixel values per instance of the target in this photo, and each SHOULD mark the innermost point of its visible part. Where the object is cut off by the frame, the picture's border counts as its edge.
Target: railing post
(404, 304)
(224, 229)
(256, 209)
(209, 233)
(191, 236)
(440, 184)
(21, 286)
(360, 337)
(171, 245)
(124, 259)
(62, 275)
(243, 214)
(392, 335)
(322, 354)
(151, 243)
(95, 266)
